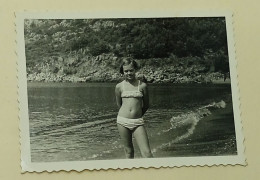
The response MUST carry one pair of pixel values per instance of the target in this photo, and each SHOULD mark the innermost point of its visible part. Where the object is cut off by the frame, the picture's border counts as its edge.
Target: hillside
(177, 50)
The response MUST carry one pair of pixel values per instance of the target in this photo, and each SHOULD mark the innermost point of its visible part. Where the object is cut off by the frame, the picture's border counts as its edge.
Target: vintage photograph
(157, 90)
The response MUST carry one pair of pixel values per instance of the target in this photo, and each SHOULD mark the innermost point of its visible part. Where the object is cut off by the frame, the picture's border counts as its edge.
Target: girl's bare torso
(131, 107)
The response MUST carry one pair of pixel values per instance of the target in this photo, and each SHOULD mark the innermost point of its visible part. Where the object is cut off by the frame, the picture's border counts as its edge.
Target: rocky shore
(104, 68)
(151, 77)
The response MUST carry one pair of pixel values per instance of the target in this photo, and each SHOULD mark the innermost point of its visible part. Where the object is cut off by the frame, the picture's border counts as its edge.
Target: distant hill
(168, 49)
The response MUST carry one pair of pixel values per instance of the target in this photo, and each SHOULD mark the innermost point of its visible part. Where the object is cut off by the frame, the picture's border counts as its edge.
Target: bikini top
(131, 94)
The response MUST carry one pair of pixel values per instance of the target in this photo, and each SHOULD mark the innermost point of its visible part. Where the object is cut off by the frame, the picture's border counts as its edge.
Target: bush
(69, 70)
(54, 69)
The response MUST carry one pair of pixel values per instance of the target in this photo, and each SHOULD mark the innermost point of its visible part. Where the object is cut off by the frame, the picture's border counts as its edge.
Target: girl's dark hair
(128, 61)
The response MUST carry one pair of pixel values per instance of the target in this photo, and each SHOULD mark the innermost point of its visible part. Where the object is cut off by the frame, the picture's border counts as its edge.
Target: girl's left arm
(145, 98)
(118, 95)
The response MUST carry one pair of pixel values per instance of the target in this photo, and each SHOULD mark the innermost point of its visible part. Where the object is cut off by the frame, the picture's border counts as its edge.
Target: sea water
(77, 121)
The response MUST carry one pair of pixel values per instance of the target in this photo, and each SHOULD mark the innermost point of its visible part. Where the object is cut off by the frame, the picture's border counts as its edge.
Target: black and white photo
(123, 91)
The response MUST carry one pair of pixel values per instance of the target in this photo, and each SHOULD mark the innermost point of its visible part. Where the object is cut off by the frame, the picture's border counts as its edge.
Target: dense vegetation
(168, 49)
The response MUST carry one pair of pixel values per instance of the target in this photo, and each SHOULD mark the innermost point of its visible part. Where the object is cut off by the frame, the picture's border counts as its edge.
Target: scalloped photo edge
(29, 165)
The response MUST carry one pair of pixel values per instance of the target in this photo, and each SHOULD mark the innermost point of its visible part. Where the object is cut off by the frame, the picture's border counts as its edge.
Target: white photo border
(28, 166)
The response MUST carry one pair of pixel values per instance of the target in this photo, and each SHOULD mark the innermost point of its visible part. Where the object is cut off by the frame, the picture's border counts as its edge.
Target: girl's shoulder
(142, 84)
(119, 85)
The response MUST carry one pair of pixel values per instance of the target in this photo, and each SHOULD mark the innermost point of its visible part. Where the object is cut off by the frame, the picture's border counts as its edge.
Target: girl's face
(129, 72)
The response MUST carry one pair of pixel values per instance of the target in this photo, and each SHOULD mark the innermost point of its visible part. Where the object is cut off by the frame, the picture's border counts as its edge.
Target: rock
(87, 78)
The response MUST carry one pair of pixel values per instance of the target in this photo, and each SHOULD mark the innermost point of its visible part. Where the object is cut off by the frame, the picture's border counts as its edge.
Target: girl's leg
(142, 141)
(126, 136)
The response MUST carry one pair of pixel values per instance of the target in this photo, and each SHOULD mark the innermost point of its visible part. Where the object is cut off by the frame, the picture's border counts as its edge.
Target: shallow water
(75, 122)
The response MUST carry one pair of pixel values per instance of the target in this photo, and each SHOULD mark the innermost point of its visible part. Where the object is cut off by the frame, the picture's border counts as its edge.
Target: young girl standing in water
(133, 101)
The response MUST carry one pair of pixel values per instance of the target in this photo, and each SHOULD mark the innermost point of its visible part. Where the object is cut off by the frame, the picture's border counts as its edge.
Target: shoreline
(214, 135)
(112, 82)
(149, 75)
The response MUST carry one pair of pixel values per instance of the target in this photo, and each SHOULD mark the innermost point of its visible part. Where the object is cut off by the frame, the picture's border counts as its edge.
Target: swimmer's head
(128, 62)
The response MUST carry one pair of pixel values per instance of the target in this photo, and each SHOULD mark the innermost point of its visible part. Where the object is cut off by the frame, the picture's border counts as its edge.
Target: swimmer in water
(133, 101)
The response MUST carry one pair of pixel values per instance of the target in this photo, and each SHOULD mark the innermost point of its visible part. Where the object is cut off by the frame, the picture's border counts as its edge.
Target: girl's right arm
(118, 95)
(145, 98)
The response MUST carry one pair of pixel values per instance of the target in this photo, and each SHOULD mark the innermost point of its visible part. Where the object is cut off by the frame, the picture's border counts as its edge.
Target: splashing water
(191, 118)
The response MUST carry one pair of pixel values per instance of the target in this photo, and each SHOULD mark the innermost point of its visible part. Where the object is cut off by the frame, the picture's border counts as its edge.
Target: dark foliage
(141, 38)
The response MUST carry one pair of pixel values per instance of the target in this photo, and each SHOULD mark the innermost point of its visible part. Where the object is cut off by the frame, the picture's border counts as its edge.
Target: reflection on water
(74, 122)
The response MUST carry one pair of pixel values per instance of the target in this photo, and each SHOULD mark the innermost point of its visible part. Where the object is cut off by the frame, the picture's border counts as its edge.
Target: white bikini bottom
(130, 123)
